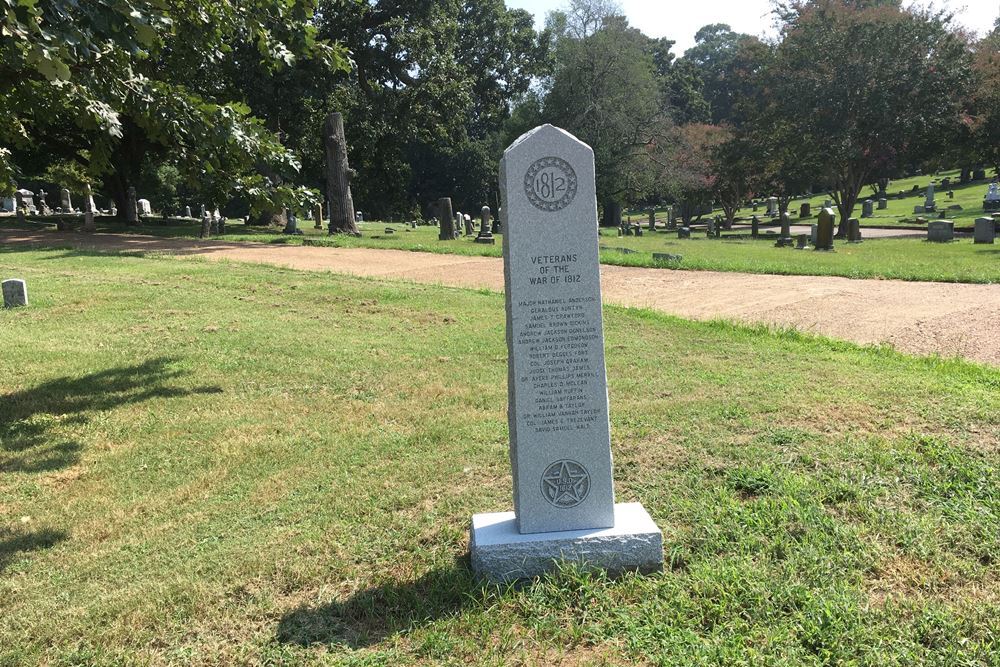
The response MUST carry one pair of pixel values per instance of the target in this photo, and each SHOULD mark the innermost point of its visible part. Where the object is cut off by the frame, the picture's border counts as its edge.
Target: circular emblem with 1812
(550, 184)
(565, 483)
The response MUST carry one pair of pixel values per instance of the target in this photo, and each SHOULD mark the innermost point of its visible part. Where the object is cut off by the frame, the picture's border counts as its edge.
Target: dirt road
(921, 318)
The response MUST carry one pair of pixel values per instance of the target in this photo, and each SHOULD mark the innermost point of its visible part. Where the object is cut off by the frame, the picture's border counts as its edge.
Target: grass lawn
(899, 211)
(903, 259)
(218, 464)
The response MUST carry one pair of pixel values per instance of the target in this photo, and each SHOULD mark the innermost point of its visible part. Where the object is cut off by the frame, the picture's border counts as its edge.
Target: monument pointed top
(546, 132)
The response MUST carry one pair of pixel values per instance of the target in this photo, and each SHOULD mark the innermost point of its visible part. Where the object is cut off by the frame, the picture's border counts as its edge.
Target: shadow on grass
(28, 416)
(13, 544)
(373, 614)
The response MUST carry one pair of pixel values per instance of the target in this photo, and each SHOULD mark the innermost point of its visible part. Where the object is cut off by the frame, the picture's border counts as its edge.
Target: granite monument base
(502, 554)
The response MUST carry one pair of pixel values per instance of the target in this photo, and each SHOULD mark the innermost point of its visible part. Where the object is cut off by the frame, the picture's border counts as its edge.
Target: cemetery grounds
(207, 463)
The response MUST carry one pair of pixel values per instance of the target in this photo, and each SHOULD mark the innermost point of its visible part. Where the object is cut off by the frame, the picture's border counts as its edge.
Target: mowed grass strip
(912, 259)
(222, 463)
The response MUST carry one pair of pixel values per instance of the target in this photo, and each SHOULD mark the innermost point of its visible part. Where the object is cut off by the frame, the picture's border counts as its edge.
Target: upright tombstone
(187, 211)
(338, 178)
(941, 231)
(883, 204)
(291, 223)
(824, 230)
(652, 219)
(470, 227)
(486, 227)
(88, 210)
(206, 225)
(991, 202)
(929, 205)
(785, 240)
(772, 206)
(754, 227)
(145, 208)
(985, 231)
(318, 216)
(805, 210)
(65, 201)
(867, 209)
(131, 208)
(445, 219)
(560, 446)
(15, 293)
(853, 230)
(43, 206)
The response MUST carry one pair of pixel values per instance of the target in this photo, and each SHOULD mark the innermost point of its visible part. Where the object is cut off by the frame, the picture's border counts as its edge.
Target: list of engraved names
(557, 338)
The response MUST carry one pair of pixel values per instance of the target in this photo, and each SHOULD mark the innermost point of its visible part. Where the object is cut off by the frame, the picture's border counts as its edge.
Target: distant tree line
(224, 102)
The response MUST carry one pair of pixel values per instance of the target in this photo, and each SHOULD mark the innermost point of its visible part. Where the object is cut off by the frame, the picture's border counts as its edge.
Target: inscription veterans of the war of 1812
(558, 413)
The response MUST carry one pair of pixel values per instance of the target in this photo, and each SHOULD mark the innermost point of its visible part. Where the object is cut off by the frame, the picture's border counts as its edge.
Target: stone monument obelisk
(560, 445)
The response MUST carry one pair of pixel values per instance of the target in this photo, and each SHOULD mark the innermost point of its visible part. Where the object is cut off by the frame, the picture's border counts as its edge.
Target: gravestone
(940, 231)
(883, 204)
(667, 257)
(470, 228)
(43, 206)
(853, 230)
(652, 219)
(985, 230)
(486, 227)
(991, 202)
(187, 211)
(785, 240)
(291, 223)
(802, 241)
(710, 228)
(824, 230)
(206, 225)
(813, 234)
(88, 210)
(805, 210)
(65, 201)
(15, 293)
(447, 220)
(638, 229)
(131, 208)
(772, 206)
(560, 448)
(144, 207)
(684, 233)
(201, 214)
(918, 209)
(867, 209)
(929, 205)
(754, 226)
(318, 216)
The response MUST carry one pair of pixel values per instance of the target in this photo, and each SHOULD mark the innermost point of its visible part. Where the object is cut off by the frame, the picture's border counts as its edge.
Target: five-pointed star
(564, 483)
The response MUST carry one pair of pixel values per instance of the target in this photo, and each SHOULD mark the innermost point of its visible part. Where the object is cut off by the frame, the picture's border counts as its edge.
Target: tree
(869, 86)
(117, 87)
(726, 63)
(427, 103)
(688, 158)
(604, 91)
(984, 116)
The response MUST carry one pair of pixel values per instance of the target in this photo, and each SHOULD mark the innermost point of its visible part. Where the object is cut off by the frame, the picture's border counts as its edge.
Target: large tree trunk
(338, 178)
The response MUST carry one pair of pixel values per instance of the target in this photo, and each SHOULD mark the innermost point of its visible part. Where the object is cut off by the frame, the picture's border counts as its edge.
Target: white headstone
(560, 446)
(144, 207)
(15, 293)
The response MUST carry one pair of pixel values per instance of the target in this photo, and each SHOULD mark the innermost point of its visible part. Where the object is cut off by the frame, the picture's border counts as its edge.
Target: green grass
(902, 259)
(899, 212)
(207, 463)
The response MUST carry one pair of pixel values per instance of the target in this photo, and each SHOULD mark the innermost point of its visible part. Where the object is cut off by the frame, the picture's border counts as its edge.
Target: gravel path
(921, 318)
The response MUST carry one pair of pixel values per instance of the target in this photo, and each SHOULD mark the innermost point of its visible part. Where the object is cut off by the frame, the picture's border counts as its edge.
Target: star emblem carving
(565, 484)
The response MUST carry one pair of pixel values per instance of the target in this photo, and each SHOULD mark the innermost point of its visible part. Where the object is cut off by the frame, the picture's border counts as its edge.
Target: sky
(679, 20)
